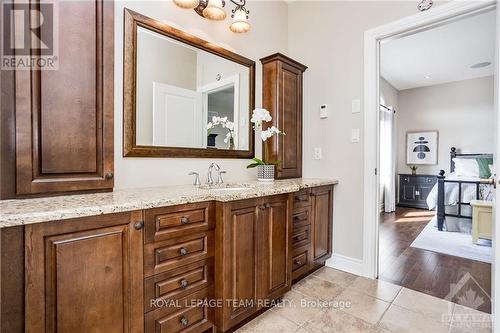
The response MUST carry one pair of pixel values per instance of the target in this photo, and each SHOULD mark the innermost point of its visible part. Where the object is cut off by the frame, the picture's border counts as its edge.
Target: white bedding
(451, 192)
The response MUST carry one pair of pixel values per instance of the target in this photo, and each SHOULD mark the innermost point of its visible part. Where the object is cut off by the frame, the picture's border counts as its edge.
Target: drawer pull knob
(183, 251)
(184, 220)
(139, 225)
(262, 207)
(301, 198)
(298, 262)
(267, 205)
(184, 283)
(184, 321)
(108, 176)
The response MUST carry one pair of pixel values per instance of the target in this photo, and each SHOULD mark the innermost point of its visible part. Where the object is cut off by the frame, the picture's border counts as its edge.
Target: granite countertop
(27, 211)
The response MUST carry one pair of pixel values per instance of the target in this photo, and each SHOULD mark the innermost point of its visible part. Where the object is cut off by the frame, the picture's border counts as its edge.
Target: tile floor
(334, 301)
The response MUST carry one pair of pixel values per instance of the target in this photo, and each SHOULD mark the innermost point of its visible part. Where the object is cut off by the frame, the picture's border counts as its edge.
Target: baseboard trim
(346, 264)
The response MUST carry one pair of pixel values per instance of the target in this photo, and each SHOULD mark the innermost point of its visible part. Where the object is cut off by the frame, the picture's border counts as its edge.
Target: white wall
(327, 36)
(268, 35)
(462, 112)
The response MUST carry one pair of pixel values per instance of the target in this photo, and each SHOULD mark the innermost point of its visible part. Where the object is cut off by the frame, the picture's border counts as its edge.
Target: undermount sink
(226, 187)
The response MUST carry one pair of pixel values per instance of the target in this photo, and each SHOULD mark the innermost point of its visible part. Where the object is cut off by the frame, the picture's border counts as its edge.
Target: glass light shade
(214, 10)
(240, 22)
(188, 4)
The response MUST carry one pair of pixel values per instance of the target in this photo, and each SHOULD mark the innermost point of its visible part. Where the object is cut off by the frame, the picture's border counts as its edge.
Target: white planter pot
(265, 173)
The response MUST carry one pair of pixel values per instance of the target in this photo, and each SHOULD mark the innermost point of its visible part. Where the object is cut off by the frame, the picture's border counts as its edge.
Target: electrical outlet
(318, 153)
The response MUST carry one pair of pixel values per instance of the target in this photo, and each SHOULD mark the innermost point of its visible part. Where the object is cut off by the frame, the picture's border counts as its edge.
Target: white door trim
(419, 21)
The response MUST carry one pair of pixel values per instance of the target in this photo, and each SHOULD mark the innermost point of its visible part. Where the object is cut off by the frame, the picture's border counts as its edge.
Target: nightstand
(414, 189)
(482, 219)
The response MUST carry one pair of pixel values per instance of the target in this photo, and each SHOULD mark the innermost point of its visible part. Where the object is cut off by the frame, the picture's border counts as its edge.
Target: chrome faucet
(196, 178)
(210, 179)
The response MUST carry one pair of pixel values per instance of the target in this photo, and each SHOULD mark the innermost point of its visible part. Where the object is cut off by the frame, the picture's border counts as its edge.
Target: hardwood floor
(426, 271)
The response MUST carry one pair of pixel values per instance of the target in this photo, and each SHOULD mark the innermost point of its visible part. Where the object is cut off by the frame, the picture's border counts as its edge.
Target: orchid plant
(229, 125)
(260, 116)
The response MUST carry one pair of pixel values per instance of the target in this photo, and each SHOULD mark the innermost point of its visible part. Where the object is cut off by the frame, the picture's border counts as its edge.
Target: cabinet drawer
(301, 236)
(163, 256)
(430, 180)
(302, 199)
(301, 262)
(181, 316)
(177, 283)
(301, 217)
(169, 222)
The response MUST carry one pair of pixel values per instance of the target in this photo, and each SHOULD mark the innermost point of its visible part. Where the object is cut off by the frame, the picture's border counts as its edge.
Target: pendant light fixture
(214, 10)
(187, 4)
(240, 18)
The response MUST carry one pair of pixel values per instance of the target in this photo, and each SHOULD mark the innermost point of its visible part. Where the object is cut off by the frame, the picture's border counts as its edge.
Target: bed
(452, 194)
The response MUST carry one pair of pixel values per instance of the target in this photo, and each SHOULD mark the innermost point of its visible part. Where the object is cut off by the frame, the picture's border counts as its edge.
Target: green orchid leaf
(253, 165)
(259, 161)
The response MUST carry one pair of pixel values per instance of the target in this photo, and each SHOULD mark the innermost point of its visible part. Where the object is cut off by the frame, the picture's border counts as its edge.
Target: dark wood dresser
(414, 189)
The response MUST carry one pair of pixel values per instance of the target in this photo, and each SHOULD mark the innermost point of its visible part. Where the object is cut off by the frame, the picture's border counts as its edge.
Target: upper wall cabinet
(282, 97)
(183, 96)
(64, 115)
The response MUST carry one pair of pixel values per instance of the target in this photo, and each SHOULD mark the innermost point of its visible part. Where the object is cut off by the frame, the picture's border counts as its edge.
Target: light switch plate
(318, 153)
(355, 106)
(355, 135)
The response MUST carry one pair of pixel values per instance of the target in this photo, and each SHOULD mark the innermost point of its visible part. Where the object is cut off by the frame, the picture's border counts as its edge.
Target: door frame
(421, 21)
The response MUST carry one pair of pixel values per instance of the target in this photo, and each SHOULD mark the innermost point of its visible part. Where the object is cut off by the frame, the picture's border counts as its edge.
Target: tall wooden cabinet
(282, 97)
(64, 117)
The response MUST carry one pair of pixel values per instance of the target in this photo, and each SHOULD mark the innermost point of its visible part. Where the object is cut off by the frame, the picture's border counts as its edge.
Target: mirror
(184, 97)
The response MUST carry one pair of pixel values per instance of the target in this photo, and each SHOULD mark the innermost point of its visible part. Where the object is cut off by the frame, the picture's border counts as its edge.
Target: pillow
(466, 167)
(484, 166)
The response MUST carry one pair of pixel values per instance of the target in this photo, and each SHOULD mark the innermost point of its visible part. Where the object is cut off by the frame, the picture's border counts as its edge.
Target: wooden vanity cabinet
(253, 258)
(64, 117)
(282, 97)
(85, 275)
(147, 271)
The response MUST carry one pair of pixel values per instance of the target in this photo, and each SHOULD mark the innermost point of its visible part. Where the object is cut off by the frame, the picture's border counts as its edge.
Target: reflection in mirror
(189, 98)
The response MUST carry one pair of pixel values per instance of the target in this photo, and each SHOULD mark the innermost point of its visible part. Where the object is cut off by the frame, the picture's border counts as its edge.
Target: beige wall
(328, 37)
(462, 112)
(268, 35)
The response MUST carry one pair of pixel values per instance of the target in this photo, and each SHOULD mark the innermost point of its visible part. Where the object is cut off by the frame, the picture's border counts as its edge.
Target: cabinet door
(424, 191)
(236, 261)
(322, 223)
(409, 192)
(64, 117)
(275, 247)
(85, 275)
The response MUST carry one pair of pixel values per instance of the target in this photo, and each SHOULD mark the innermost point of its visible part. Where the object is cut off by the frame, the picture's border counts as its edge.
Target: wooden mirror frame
(130, 147)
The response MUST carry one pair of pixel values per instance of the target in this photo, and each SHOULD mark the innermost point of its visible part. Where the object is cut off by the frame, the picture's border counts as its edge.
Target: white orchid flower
(260, 115)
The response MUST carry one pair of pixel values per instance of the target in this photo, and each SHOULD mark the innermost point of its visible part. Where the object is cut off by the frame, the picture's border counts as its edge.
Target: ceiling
(442, 54)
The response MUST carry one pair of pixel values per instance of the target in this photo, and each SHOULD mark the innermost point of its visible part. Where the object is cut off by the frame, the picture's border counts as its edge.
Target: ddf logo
(29, 33)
